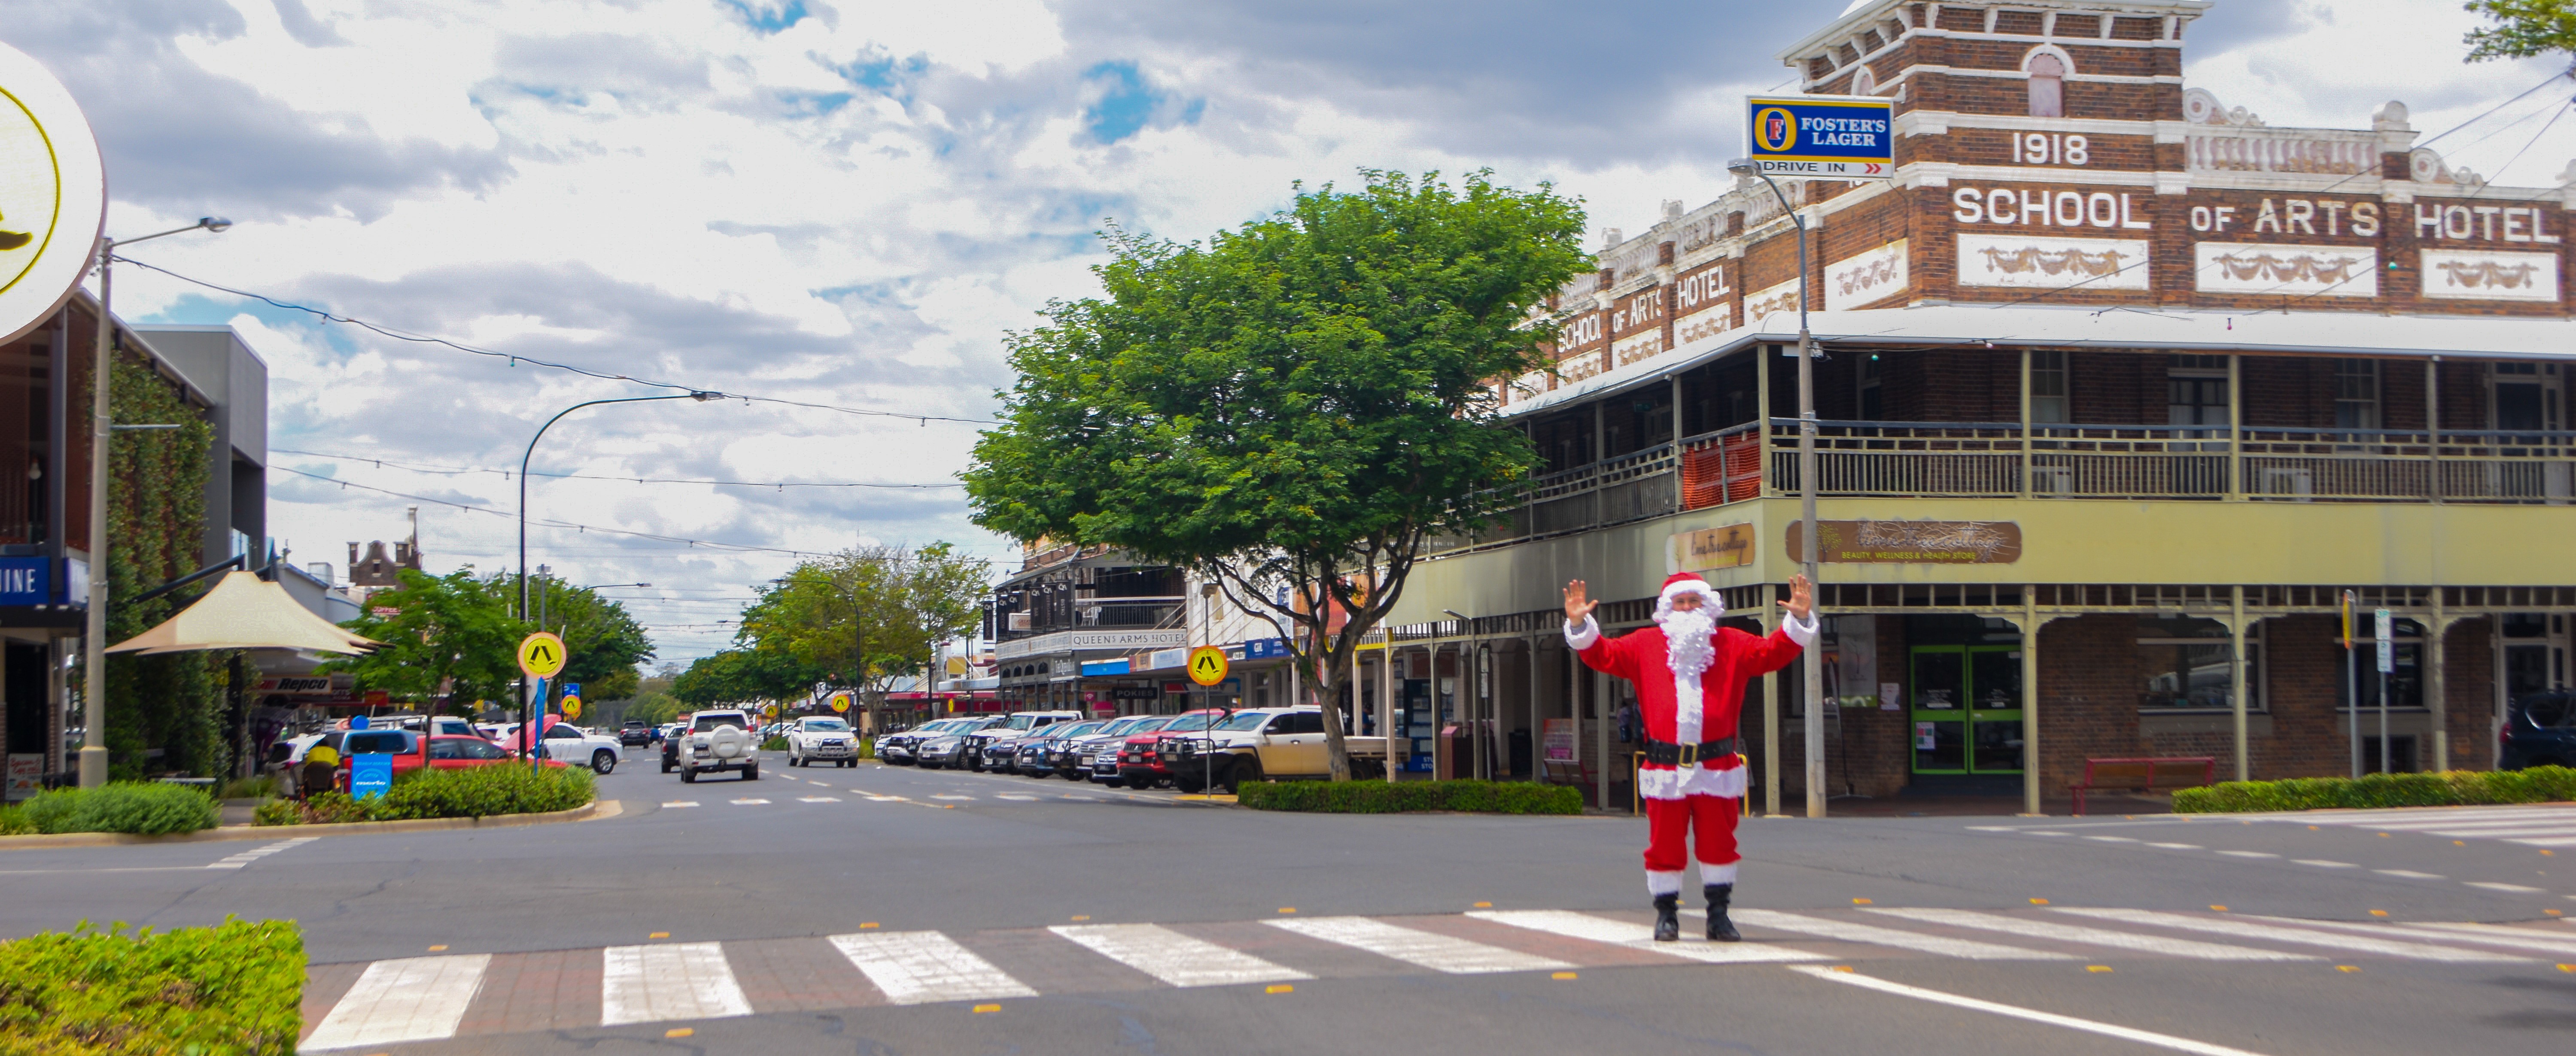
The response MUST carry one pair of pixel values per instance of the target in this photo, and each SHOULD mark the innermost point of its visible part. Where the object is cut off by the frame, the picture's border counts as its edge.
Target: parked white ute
(719, 741)
(822, 737)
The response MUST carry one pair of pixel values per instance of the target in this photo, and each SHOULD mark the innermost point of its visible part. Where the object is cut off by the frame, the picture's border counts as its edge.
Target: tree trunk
(1337, 748)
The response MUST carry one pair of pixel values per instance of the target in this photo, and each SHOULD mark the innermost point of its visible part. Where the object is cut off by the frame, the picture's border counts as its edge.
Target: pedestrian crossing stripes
(435, 998)
(2532, 826)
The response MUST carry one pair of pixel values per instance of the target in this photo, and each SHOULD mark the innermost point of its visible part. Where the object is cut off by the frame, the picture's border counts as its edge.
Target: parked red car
(1142, 760)
(445, 752)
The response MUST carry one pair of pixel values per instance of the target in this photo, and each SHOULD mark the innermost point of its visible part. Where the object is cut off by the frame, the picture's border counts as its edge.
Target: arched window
(1864, 82)
(2047, 86)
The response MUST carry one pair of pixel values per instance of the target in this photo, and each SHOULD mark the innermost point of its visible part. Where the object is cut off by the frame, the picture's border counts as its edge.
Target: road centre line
(2113, 1030)
(2246, 929)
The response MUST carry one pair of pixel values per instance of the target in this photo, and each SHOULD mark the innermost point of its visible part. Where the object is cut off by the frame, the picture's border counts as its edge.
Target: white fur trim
(1580, 638)
(1717, 874)
(1663, 883)
(1657, 782)
(1707, 596)
(1802, 633)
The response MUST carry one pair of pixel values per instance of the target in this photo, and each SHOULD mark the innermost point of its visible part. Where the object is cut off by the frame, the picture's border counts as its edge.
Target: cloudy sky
(847, 204)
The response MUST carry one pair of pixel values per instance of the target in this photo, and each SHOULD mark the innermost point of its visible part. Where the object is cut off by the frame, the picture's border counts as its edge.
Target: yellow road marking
(678, 1032)
(438, 948)
(659, 935)
(2097, 967)
(988, 1008)
(1279, 988)
(1562, 975)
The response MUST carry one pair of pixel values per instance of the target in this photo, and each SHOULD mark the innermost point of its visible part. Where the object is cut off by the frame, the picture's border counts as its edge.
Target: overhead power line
(423, 467)
(516, 359)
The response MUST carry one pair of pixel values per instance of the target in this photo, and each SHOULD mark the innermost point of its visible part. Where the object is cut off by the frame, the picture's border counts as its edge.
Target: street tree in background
(742, 677)
(448, 636)
(1291, 408)
(869, 616)
(602, 641)
(2523, 29)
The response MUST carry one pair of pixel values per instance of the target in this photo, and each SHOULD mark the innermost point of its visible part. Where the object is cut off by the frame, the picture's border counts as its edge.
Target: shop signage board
(1558, 738)
(1821, 137)
(26, 776)
(370, 775)
(1709, 549)
(1135, 693)
(1910, 542)
(1265, 648)
(26, 580)
(53, 194)
(2386, 628)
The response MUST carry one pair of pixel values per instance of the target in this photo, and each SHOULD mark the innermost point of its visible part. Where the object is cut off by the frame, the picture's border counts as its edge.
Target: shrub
(13, 822)
(774, 744)
(2540, 784)
(278, 812)
(141, 807)
(237, 987)
(486, 790)
(1379, 797)
(260, 787)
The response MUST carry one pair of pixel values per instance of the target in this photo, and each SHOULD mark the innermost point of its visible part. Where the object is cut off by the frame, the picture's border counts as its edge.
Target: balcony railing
(2002, 460)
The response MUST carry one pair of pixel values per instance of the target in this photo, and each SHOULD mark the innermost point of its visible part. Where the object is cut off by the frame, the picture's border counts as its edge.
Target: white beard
(1689, 647)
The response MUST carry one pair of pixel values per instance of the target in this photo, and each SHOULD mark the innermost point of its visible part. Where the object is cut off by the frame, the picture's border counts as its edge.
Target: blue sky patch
(1125, 107)
(768, 18)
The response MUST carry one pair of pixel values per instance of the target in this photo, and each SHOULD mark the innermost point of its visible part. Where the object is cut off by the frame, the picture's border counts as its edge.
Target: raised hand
(1575, 607)
(1801, 603)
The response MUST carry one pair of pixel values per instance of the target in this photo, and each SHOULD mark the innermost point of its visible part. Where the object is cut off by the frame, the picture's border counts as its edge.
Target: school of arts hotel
(2122, 388)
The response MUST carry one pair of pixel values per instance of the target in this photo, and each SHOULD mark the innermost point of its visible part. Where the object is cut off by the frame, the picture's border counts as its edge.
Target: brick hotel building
(2123, 388)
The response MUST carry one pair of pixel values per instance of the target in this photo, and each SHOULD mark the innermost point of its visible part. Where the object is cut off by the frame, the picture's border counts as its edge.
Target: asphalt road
(711, 928)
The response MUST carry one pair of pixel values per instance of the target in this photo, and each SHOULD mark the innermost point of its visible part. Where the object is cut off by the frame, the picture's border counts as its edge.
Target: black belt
(1666, 753)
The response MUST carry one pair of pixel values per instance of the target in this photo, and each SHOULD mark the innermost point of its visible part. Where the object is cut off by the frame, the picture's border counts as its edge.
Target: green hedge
(472, 792)
(2540, 784)
(145, 808)
(1379, 797)
(237, 987)
(774, 744)
(13, 821)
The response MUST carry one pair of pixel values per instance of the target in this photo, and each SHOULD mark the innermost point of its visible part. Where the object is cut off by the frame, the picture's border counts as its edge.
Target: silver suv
(718, 741)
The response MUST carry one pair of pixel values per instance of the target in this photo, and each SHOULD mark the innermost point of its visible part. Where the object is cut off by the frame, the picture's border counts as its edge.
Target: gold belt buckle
(1690, 756)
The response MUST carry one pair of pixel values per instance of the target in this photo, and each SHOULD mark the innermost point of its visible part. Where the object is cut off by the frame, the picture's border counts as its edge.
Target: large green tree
(449, 640)
(2523, 29)
(738, 677)
(869, 616)
(1292, 407)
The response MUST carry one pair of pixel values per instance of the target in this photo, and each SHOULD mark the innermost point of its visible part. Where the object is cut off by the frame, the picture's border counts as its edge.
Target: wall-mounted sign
(1730, 546)
(1135, 693)
(1910, 542)
(26, 581)
(1836, 137)
(53, 194)
(1265, 648)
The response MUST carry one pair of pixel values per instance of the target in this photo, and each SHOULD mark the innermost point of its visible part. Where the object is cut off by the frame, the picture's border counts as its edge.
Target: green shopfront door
(1966, 709)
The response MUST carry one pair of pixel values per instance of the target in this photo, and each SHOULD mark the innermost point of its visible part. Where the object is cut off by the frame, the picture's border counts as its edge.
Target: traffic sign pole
(1207, 668)
(2387, 663)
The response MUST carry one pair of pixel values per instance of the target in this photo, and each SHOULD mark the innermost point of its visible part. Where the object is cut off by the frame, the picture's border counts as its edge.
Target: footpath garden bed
(142, 808)
(477, 792)
(1402, 797)
(237, 987)
(2453, 788)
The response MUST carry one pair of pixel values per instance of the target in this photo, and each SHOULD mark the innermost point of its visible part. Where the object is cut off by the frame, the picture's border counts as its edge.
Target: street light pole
(523, 520)
(1813, 685)
(93, 753)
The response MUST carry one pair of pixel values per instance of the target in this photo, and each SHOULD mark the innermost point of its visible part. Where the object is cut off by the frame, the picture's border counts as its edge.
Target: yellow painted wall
(2063, 541)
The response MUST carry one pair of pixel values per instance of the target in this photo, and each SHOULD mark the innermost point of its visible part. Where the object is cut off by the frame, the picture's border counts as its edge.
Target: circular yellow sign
(542, 654)
(769, 711)
(840, 702)
(572, 707)
(1207, 665)
(53, 193)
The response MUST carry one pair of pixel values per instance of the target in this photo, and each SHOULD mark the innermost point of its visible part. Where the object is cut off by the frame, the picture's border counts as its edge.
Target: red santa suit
(1690, 697)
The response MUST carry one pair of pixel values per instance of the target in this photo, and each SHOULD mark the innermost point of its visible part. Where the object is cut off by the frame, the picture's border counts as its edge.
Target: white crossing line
(246, 857)
(2555, 841)
(2385, 818)
(2518, 889)
(1640, 936)
(1017, 796)
(749, 802)
(681, 803)
(818, 799)
(2495, 935)
(2323, 863)
(1440, 953)
(916, 967)
(2112, 839)
(1849, 931)
(2246, 929)
(2177, 846)
(2410, 874)
(945, 796)
(1173, 957)
(408, 999)
(2249, 854)
(2043, 832)
(2167, 1041)
(2043, 929)
(688, 980)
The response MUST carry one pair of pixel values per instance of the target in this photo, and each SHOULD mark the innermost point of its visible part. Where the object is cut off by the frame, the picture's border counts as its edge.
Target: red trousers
(1669, 820)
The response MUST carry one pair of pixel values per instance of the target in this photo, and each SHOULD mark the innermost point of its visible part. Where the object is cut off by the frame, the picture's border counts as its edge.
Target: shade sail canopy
(245, 612)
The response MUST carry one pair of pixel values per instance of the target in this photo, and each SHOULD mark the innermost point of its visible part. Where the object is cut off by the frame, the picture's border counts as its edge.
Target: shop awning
(245, 612)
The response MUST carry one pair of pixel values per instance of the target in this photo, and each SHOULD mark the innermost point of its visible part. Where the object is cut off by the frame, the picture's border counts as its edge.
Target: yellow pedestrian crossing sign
(541, 655)
(1207, 665)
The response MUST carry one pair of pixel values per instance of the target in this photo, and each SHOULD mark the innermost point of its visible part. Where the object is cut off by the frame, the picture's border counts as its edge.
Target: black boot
(1668, 918)
(1721, 929)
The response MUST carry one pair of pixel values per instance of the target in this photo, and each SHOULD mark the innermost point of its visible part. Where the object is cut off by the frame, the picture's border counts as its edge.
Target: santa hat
(1686, 583)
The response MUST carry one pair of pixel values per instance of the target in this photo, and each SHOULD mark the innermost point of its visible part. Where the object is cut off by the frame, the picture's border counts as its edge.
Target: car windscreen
(1119, 728)
(825, 726)
(1246, 722)
(1080, 729)
(1187, 723)
(1152, 723)
(705, 723)
(1021, 722)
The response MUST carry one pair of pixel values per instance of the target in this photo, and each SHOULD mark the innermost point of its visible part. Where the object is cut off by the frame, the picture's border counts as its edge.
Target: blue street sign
(26, 581)
(1835, 137)
(370, 775)
(1265, 648)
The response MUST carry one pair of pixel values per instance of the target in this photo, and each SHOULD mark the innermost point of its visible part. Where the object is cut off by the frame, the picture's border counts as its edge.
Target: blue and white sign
(370, 775)
(26, 581)
(1265, 648)
(1825, 137)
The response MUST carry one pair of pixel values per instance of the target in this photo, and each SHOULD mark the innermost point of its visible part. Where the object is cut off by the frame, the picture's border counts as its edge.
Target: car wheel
(1110, 782)
(666, 766)
(1244, 771)
(1189, 786)
(688, 777)
(752, 772)
(603, 761)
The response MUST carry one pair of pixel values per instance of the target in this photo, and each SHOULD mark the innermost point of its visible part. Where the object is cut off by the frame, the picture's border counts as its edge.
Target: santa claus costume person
(1690, 676)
